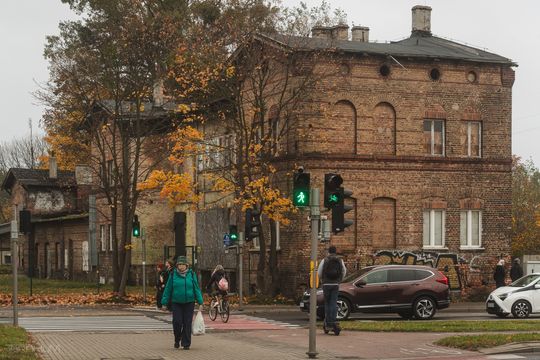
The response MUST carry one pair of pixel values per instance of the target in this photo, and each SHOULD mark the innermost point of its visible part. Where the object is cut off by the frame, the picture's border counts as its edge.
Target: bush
(476, 294)
(5, 269)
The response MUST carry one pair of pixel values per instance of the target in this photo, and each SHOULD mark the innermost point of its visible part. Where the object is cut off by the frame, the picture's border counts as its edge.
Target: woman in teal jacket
(182, 290)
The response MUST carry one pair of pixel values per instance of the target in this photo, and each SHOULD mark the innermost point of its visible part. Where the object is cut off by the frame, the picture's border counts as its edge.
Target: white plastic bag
(198, 327)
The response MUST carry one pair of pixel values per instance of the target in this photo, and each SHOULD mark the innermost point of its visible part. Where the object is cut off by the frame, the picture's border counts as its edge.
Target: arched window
(342, 128)
(384, 127)
(383, 223)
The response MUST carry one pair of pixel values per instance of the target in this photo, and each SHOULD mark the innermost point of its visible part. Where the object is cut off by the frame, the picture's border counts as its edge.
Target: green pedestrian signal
(233, 233)
(301, 188)
(136, 226)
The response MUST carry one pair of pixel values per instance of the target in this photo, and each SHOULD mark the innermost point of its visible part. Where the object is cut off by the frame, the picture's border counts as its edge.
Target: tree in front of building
(525, 207)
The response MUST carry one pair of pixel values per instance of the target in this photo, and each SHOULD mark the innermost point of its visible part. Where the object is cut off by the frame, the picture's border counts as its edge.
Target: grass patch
(475, 342)
(60, 287)
(15, 344)
(442, 326)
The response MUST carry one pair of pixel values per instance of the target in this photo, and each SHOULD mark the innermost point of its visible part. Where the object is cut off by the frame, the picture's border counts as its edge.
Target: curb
(519, 348)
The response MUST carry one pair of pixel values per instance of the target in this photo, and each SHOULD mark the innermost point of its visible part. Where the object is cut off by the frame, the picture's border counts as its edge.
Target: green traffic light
(135, 232)
(301, 197)
(333, 198)
(233, 236)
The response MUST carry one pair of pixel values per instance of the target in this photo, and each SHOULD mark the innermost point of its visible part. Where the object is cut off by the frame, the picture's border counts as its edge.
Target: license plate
(490, 305)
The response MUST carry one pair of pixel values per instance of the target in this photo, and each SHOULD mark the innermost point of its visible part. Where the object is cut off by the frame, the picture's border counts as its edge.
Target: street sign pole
(240, 270)
(14, 265)
(143, 239)
(314, 215)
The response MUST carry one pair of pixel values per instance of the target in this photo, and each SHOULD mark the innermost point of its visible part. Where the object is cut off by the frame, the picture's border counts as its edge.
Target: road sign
(226, 240)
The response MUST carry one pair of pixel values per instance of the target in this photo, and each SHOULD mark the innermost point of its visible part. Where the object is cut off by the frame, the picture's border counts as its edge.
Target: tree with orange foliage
(525, 207)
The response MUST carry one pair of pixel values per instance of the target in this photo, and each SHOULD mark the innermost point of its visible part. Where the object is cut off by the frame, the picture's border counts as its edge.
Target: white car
(521, 298)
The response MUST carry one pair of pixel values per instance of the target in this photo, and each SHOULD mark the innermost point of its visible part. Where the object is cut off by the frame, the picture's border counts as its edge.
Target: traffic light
(301, 188)
(233, 234)
(253, 221)
(338, 211)
(332, 195)
(136, 226)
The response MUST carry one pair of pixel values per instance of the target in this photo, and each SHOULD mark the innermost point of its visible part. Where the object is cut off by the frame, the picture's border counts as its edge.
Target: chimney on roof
(340, 32)
(321, 32)
(360, 33)
(157, 93)
(53, 166)
(421, 19)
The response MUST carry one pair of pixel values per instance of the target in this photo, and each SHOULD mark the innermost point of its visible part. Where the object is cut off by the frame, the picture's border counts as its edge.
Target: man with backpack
(331, 271)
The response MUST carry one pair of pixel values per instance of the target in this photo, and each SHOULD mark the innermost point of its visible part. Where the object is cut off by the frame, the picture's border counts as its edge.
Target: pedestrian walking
(182, 291)
(516, 271)
(500, 274)
(331, 271)
(160, 284)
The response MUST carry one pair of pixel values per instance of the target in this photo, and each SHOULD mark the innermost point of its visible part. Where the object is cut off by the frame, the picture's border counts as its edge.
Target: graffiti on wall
(448, 264)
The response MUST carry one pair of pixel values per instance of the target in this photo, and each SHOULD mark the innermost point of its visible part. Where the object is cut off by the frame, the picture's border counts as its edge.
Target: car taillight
(443, 279)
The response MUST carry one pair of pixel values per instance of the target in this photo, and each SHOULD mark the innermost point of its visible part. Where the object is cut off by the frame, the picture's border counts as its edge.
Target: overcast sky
(510, 29)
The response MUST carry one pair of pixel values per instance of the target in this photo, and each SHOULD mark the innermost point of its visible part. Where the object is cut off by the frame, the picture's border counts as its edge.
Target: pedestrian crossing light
(301, 188)
(136, 226)
(332, 193)
(252, 224)
(233, 234)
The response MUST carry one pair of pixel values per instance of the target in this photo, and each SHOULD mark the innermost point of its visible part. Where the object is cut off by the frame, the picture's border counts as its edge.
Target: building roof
(38, 177)
(418, 45)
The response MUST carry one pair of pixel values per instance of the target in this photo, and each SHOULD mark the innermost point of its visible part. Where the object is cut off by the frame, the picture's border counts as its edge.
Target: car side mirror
(361, 283)
(537, 286)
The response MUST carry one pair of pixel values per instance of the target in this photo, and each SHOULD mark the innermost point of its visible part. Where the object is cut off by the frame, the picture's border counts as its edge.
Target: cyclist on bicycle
(219, 283)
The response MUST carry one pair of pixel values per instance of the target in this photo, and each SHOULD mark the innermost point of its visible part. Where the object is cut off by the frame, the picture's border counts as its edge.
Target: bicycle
(219, 305)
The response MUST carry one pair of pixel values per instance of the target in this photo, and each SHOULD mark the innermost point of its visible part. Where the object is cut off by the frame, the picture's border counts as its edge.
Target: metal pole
(240, 270)
(143, 264)
(14, 265)
(315, 215)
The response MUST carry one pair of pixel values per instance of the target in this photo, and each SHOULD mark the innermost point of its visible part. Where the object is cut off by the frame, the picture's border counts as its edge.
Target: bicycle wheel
(212, 312)
(224, 311)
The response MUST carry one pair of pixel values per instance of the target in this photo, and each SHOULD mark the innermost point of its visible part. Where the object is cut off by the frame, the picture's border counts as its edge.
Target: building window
(434, 137)
(57, 256)
(434, 228)
(256, 240)
(102, 238)
(471, 228)
(85, 256)
(110, 237)
(470, 138)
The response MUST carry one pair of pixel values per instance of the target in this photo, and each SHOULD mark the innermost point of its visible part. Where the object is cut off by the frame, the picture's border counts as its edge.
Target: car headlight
(503, 296)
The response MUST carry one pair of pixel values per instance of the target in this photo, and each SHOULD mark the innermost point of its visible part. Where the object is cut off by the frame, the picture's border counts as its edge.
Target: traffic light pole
(143, 239)
(315, 216)
(14, 265)
(240, 270)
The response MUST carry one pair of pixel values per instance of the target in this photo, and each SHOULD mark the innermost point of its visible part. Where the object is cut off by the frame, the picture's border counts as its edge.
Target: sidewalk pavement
(287, 344)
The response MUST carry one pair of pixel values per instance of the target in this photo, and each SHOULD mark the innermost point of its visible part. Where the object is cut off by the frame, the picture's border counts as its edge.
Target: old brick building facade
(420, 130)
(58, 238)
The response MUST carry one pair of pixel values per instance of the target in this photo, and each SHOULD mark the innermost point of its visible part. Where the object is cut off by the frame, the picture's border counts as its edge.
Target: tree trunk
(115, 267)
(273, 261)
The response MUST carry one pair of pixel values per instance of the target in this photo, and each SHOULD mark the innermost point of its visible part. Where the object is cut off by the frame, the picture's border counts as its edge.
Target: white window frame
(469, 130)
(256, 245)
(102, 237)
(110, 237)
(431, 244)
(467, 244)
(85, 254)
(432, 139)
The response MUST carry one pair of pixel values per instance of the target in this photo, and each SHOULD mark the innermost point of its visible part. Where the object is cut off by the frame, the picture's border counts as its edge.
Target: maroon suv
(412, 291)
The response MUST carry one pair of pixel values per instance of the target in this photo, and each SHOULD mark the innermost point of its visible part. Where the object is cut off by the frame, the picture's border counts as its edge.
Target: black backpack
(332, 269)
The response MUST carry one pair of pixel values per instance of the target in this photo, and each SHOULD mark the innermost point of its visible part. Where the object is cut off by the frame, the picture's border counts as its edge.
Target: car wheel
(521, 309)
(406, 314)
(424, 308)
(501, 315)
(343, 309)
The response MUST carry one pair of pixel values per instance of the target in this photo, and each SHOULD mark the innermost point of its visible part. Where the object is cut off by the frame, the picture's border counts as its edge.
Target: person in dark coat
(516, 271)
(500, 274)
(160, 285)
(213, 286)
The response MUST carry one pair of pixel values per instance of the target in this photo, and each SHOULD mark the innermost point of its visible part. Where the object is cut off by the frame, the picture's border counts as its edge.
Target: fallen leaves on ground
(74, 299)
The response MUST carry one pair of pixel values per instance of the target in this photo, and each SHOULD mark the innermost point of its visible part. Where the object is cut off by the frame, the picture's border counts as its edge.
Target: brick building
(58, 239)
(420, 130)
